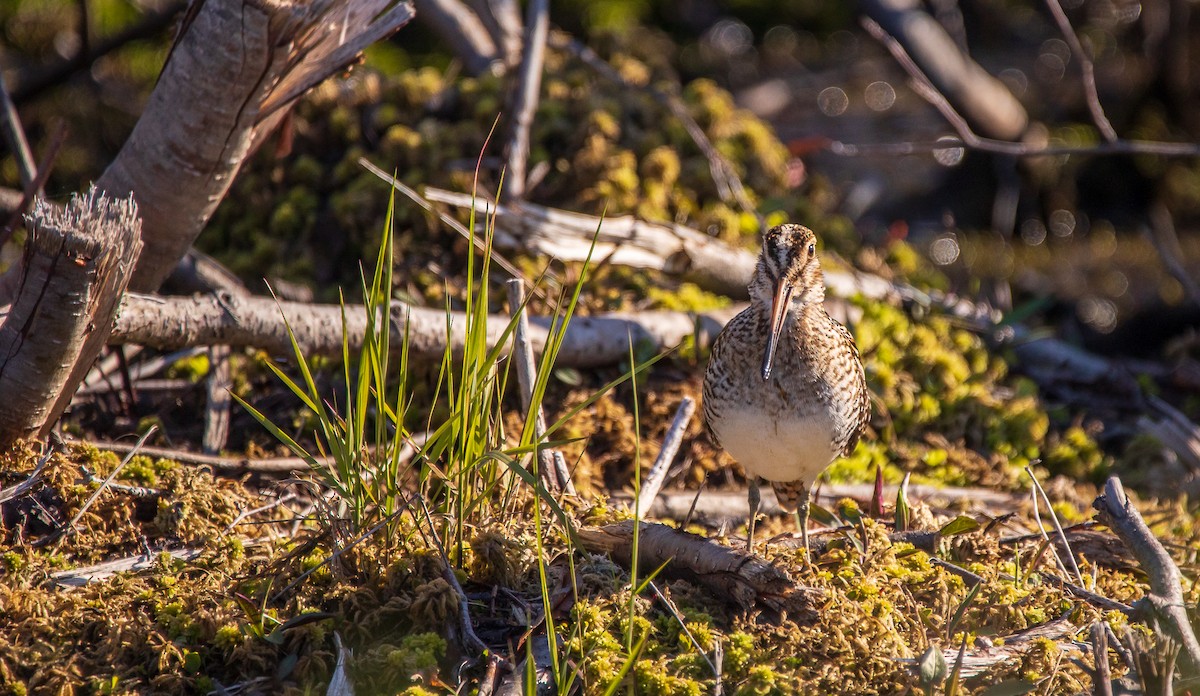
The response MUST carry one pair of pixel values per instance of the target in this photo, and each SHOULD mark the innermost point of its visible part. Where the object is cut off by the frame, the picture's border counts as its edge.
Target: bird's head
(788, 275)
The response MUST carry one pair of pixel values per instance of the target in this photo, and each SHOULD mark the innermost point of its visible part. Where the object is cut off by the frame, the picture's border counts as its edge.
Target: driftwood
(76, 266)
(234, 69)
(1165, 604)
(623, 241)
(743, 580)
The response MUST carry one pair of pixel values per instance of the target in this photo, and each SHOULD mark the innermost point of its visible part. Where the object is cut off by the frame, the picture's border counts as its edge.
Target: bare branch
(15, 135)
(233, 70)
(525, 101)
(931, 57)
(1086, 67)
(462, 32)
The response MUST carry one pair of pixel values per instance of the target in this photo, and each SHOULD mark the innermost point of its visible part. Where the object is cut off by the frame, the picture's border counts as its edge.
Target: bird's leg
(754, 497)
(802, 520)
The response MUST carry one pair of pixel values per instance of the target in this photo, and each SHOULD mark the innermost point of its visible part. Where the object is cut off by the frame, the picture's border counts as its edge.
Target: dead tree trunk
(77, 263)
(234, 69)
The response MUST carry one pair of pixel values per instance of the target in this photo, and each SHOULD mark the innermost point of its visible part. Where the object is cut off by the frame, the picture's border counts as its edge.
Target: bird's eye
(812, 249)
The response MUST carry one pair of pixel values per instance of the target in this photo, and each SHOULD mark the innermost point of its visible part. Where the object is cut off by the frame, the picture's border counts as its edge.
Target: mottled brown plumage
(785, 410)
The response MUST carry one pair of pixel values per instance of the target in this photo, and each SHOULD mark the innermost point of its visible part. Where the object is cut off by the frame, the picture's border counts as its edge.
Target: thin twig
(17, 143)
(44, 166)
(670, 605)
(1097, 600)
(261, 509)
(96, 494)
(132, 491)
(1005, 147)
(525, 99)
(967, 138)
(218, 403)
(464, 610)
(1165, 601)
(1086, 67)
(1162, 233)
(224, 465)
(1101, 677)
(479, 243)
(1062, 537)
(921, 83)
(972, 579)
(551, 468)
(658, 472)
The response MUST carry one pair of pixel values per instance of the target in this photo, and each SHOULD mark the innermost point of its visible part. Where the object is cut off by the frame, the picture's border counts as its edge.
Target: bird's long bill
(779, 310)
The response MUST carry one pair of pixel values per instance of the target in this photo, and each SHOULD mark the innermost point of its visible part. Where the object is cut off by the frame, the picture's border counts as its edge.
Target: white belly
(783, 449)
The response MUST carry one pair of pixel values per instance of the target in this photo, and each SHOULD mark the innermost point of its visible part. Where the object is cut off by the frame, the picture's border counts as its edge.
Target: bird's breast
(775, 446)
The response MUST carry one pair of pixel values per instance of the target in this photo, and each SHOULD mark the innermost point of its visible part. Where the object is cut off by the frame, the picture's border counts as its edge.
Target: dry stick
(78, 577)
(15, 135)
(1057, 525)
(1174, 430)
(39, 181)
(340, 683)
(1097, 600)
(729, 185)
(36, 475)
(216, 413)
(1101, 677)
(1165, 602)
(1162, 233)
(229, 466)
(658, 472)
(525, 101)
(1086, 67)
(464, 609)
(552, 467)
(261, 509)
(96, 494)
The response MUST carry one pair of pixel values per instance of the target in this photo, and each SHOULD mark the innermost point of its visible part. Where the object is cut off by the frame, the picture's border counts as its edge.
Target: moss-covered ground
(255, 608)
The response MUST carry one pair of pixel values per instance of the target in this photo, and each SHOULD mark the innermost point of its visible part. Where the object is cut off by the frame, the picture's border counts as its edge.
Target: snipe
(784, 392)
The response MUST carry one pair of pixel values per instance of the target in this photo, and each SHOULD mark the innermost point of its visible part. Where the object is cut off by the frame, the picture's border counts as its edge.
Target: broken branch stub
(77, 263)
(1165, 604)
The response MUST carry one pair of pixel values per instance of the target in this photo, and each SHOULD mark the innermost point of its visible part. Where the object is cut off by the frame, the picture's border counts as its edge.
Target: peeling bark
(235, 68)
